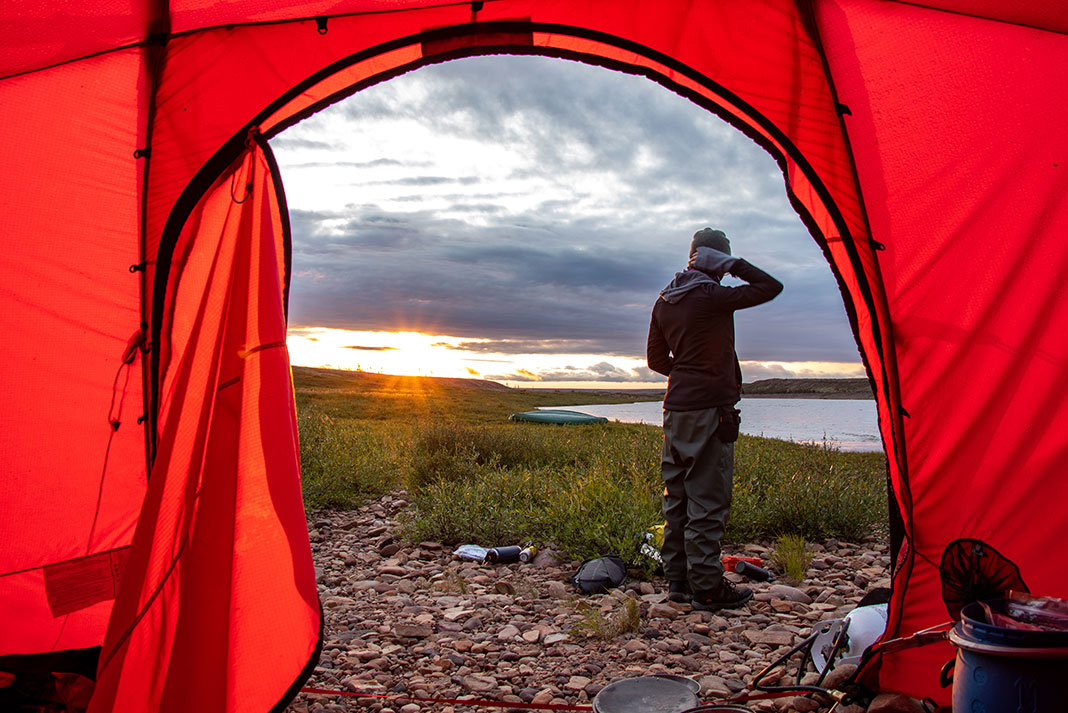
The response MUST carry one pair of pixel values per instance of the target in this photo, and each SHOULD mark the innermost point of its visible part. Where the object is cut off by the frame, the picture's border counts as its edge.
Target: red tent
(149, 432)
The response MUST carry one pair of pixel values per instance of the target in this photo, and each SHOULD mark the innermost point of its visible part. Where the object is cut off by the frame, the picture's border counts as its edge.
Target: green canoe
(561, 416)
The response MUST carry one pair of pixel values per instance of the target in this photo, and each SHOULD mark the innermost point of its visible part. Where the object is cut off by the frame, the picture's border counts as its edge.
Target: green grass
(344, 462)
(816, 492)
(791, 557)
(607, 625)
(472, 476)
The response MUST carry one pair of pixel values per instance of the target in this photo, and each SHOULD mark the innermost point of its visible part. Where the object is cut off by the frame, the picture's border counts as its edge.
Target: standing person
(691, 341)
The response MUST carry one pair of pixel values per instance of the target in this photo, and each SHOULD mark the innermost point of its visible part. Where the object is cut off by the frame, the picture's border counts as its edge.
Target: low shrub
(810, 490)
(491, 507)
(450, 450)
(344, 462)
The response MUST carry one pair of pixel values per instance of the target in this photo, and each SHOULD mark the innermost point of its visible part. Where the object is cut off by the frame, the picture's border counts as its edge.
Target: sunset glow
(417, 354)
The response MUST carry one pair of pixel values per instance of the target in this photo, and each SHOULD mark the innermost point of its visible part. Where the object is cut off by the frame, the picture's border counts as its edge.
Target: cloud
(530, 346)
(371, 349)
(599, 372)
(539, 204)
(429, 181)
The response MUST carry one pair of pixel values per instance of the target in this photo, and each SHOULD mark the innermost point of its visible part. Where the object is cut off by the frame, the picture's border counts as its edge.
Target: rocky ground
(409, 622)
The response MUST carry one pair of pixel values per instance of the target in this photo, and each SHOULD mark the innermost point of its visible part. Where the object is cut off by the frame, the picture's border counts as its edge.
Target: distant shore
(761, 389)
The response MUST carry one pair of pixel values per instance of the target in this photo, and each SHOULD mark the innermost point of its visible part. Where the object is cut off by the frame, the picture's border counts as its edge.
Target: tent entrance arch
(806, 189)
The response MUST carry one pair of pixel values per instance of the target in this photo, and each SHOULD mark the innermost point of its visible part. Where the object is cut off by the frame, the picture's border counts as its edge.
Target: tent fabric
(144, 284)
(981, 165)
(220, 581)
(73, 483)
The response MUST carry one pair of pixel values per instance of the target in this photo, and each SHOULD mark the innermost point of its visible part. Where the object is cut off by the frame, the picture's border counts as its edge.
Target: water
(846, 424)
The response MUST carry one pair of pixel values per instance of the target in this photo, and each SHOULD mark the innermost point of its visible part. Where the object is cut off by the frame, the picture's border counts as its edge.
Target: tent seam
(987, 18)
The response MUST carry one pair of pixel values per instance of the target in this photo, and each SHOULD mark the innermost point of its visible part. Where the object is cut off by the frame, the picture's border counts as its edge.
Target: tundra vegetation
(473, 476)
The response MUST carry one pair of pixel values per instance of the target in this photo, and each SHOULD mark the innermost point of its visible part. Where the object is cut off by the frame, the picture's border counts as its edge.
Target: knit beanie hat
(715, 239)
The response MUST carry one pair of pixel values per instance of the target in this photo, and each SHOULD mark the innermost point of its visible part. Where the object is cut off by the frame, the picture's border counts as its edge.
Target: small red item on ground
(731, 561)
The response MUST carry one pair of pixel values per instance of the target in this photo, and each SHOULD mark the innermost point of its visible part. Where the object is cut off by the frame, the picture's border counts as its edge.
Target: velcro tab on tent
(479, 39)
(80, 583)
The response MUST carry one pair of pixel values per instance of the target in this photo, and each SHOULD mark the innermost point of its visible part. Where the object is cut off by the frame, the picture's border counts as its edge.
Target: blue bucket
(999, 669)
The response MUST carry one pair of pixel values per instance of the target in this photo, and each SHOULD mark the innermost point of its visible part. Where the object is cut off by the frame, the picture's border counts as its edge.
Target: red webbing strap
(450, 701)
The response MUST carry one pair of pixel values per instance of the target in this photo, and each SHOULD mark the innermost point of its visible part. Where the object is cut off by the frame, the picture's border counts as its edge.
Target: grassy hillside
(820, 388)
(361, 395)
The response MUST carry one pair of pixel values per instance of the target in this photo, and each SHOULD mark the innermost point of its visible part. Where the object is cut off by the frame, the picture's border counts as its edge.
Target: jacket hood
(683, 282)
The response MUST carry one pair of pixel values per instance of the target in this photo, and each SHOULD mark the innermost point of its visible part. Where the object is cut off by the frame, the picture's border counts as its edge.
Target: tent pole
(155, 58)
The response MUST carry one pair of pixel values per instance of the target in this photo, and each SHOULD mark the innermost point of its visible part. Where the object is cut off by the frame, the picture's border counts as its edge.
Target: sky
(513, 219)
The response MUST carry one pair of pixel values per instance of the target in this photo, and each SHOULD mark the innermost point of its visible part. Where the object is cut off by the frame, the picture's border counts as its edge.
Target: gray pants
(698, 472)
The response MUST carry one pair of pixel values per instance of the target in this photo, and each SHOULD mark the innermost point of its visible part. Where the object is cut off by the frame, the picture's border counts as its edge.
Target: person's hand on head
(712, 261)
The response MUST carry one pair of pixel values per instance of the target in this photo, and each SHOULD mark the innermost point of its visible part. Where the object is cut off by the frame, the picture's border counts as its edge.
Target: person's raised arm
(761, 286)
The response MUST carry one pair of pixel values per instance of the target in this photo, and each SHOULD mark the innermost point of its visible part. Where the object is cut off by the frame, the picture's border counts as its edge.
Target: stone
(544, 696)
(577, 683)
(803, 704)
(508, 633)
(851, 708)
(713, 686)
(790, 594)
(557, 590)
(479, 683)
(413, 630)
(771, 638)
(839, 675)
(663, 611)
(696, 641)
(894, 703)
(545, 559)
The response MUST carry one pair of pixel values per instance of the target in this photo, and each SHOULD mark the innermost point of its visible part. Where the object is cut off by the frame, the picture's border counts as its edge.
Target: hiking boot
(725, 596)
(679, 591)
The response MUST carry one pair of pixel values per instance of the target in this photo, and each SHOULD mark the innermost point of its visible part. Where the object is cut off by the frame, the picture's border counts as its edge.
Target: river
(846, 424)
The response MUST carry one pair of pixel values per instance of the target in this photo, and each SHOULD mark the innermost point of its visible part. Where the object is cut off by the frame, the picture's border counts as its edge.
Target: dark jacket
(691, 335)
